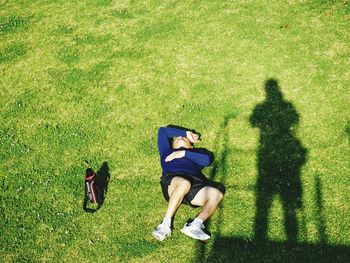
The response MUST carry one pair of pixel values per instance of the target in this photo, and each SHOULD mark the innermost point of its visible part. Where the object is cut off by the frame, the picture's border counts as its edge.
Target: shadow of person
(280, 157)
(279, 161)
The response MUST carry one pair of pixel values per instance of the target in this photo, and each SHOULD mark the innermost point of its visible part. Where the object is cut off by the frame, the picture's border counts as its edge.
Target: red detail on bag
(89, 181)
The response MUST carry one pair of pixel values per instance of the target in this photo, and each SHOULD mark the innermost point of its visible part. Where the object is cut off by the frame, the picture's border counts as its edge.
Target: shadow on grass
(101, 188)
(347, 129)
(102, 179)
(280, 157)
(219, 167)
(321, 225)
(236, 249)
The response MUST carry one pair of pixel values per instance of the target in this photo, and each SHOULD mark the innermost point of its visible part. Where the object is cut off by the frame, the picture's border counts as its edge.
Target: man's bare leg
(209, 198)
(178, 188)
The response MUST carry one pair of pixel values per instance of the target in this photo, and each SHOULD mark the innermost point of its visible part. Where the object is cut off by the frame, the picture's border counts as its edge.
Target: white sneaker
(161, 232)
(195, 230)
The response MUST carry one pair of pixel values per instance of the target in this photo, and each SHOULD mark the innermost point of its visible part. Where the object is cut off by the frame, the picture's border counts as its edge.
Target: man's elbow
(207, 161)
(161, 129)
(162, 132)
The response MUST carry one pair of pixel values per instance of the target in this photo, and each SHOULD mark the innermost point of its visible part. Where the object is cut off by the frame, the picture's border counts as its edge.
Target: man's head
(182, 142)
(273, 92)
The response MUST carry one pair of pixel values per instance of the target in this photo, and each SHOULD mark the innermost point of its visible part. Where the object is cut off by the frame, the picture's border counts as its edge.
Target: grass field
(95, 79)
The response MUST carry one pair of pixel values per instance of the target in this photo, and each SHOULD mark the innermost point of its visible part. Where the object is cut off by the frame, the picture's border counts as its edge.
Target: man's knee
(216, 195)
(183, 184)
(220, 195)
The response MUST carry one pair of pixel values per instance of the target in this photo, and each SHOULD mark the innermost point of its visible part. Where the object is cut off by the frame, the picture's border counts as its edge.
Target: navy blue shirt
(192, 163)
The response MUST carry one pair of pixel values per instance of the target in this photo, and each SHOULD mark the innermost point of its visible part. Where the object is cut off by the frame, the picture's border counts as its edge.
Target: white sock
(167, 221)
(197, 221)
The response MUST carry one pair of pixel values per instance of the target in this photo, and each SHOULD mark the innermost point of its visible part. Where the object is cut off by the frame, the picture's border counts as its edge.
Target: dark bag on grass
(92, 191)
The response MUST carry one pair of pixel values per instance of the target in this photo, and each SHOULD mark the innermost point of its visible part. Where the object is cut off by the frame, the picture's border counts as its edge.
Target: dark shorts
(197, 183)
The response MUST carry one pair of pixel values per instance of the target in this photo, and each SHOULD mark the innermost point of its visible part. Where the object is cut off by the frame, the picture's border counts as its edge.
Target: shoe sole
(183, 232)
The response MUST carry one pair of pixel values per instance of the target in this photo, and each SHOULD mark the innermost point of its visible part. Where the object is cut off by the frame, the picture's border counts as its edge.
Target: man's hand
(175, 155)
(193, 137)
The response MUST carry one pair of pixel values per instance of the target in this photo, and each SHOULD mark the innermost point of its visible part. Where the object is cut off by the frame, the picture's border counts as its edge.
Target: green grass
(95, 79)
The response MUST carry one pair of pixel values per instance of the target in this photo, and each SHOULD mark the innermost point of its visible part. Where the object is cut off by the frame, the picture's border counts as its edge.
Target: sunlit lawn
(96, 79)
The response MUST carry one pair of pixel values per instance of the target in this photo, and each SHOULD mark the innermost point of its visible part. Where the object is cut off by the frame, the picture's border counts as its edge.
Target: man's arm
(201, 158)
(164, 133)
(256, 117)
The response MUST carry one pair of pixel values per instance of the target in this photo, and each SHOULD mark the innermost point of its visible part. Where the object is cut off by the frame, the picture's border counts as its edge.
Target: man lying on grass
(182, 181)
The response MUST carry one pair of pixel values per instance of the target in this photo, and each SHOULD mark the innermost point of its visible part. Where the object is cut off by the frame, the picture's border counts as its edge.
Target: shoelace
(200, 225)
(198, 232)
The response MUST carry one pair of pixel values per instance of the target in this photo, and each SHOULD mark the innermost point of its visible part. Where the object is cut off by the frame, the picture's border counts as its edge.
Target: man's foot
(195, 230)
(161, 232)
